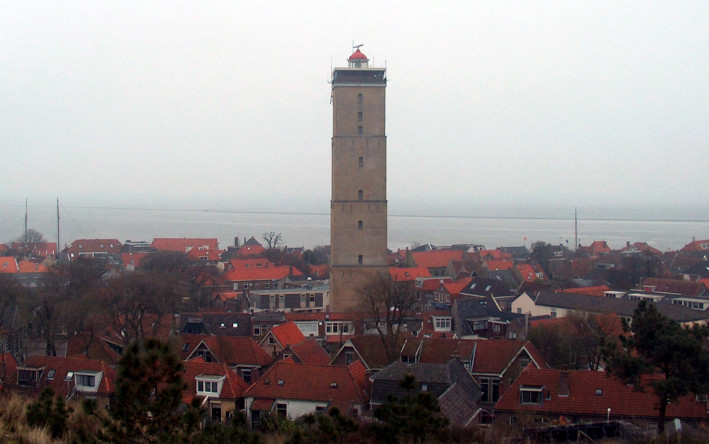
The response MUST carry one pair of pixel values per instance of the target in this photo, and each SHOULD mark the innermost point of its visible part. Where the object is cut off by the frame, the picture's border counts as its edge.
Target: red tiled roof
(320, 316)
(133, 259)
(262, 404)
(185, 245)
(287, 334)
(251, 250)
(310, 352)
(261, 274)
(32, 267)
(642, 247)
(336, 385)
(8, 264)
(432, 284)
(454, 288)
(242, 264)
(39, 249)
(697, 245)
(408, 273)
(110, 246)
(499, 264)
(8, 369)
(233, 388)
(592, 393)
(62, 366)
(436, 258)
(492, 357)
(229, 350)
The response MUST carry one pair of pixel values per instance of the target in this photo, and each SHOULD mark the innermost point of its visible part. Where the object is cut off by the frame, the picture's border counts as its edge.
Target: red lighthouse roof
(358, 55)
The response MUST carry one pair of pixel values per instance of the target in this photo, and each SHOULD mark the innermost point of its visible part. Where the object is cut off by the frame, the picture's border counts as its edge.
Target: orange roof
(230, 350)
(499, 264)
(454, 288)
(8, 264)
(62, 366)
(32, 267)
(133, 259)
(527, 272)
(251, 250)
(436, 258)
(185, 245)
(408, 274)
(697, 245)
(287, 334)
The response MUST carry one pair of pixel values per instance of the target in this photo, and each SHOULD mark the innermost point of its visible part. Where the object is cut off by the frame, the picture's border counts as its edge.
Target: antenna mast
(59, 245)
(25, 223)
(576, 232)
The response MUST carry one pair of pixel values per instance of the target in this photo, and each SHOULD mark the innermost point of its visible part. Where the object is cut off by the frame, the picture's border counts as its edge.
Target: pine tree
(660, 345)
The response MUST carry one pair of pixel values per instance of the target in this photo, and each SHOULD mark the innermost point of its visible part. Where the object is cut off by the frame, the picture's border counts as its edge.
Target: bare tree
(29, 243)
(385, 304)
(272, 239)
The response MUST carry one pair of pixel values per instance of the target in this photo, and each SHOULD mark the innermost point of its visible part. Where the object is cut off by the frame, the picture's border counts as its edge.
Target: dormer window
(530, 395)
(442, 323)
(209, 385)
(29, 376)
(87, 381)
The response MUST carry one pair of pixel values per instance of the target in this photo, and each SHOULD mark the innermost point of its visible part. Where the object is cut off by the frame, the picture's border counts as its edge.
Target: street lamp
(608, 414)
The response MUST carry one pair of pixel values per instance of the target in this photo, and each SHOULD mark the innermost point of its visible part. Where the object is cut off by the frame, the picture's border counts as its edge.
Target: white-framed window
(87, 381)
(209, 385)
(530, 395)
(339, 327)
(442, 323)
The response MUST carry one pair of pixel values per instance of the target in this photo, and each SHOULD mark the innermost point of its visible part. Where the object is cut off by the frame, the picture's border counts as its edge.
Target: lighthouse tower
(358, 209)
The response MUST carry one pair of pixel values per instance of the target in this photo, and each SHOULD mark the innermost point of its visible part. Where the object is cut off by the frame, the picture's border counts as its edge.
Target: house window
(28, 376)
(359, 130)
(360, 194)
(360, 225)
(281, 409)
(246, 285)
(359, 116)
(530, 395)
(303, 298)
(553, 313)
(312, 298)
(361, 161)
(491, 389)
(246, 376)
(359, 98)
(442, 323)
(336, 328)
(86, 380)
(360, 259)
(349, 357)
(479, 325)
(320, 410)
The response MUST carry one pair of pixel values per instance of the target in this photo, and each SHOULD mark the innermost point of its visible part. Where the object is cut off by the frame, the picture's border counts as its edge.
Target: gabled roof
(454, 288)
(438, 378)
(479, 286)
(640, 247)
(110, 246)
(185, 245)
(62, 366)
(499, 264)
(8, 264)
(592, 393)
(310, 352)
(697, 245)
(370, 350)
(229, 350)
(286, 334)
(436, 258)
(251, 251)
(431, 284)
(97, 348)
(233, 387)
(338, 386)
(494, 357)
(32, 267)
(598, 290)
(256, 262)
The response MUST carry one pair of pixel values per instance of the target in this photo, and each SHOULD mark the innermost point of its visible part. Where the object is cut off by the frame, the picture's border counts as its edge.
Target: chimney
(236, 241)
(564, 383)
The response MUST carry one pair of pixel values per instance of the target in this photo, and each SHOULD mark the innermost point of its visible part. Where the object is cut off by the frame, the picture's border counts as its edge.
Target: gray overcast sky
(226, 104)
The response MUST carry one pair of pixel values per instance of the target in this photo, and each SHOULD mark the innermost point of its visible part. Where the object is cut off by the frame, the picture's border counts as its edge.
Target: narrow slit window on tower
(360, 225)
(359, 116)
(360, 194)
(359, 130)
(359, 98)
(360, 259)
(361, 161)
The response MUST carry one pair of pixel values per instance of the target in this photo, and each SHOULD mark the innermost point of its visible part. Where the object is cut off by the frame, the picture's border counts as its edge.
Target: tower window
(360, 259)
(360, 225)
(360, 194)
(359, 116)
(359, 130)
(361, 161)
(359, 98)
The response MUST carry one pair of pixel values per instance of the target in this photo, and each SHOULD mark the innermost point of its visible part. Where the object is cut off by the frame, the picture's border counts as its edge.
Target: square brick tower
(358, 209)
